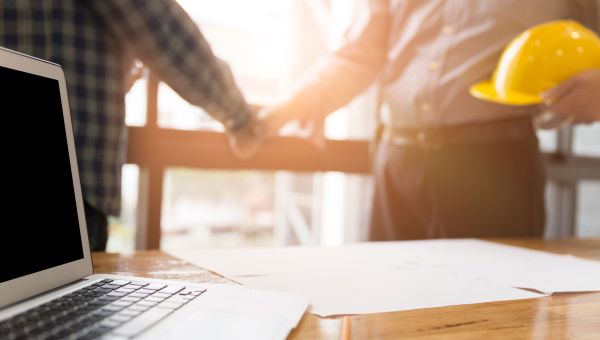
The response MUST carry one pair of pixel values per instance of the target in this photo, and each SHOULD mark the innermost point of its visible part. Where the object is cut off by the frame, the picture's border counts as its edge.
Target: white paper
(276, 304)
(393, 276)
(514, 266)
(364, 292)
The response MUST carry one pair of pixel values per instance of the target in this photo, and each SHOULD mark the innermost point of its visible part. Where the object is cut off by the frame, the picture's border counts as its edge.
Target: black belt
(438, 137)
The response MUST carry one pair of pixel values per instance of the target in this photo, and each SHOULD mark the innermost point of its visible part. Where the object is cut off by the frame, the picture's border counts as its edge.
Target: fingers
(566, 104)
(575, 102)
(561, 90)
(577, 97)
(246, 143)
(275, 119)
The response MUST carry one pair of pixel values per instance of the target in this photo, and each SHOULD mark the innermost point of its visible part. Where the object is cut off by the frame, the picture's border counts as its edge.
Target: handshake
(266, 122)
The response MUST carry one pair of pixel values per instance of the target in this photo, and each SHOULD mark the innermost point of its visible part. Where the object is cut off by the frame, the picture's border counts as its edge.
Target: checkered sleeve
(165, 38)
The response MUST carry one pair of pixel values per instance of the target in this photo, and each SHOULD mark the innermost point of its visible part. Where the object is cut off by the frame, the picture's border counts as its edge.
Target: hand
(247, 141)
(578, 97)
(275, 119)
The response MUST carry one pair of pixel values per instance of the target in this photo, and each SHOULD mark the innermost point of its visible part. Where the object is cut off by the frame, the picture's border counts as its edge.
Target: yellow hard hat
(538, 60)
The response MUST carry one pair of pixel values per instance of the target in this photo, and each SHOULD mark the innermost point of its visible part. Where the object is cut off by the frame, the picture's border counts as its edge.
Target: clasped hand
(578, 97)
(268, 122)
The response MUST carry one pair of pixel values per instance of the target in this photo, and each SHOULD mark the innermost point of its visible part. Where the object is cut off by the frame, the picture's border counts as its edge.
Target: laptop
(47, 286)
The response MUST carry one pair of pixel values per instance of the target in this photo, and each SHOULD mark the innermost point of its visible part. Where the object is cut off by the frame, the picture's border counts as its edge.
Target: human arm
(167, 41)
(340, 76)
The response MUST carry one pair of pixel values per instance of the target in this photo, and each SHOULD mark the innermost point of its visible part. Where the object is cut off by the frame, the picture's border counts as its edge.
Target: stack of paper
(393, 276)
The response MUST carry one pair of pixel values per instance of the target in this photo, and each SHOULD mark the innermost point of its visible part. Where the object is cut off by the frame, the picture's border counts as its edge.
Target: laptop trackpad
(221, 325)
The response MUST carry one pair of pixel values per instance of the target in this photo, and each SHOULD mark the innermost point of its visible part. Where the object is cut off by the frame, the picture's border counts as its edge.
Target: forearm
(165, 38)
(342, 75)
(332, 84)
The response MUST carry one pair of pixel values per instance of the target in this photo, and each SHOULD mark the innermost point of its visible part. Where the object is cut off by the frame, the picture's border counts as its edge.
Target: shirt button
(448, 29)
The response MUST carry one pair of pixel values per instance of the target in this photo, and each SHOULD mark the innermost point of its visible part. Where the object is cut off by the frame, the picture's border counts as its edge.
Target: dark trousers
(97, 228)
(492, 189)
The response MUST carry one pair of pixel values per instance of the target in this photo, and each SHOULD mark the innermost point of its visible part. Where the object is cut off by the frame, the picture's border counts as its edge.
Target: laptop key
(120, 318)
(138, 295)
(132, 286)
(198, 292)
(177, 299)
(172, 289)
(154, 299)
(117, 294)
(130, 299)
(125, 290)
(120, 282)
(111, 308)
(169, 305)
(130, 312)
(111, 286)
(139, 308)
(161, 295)
(108, 298)
(121, 303)
(146, 303)
(155, 286)
(108, 323)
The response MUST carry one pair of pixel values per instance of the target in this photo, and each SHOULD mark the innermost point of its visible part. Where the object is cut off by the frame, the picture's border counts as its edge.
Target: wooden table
(563, 316)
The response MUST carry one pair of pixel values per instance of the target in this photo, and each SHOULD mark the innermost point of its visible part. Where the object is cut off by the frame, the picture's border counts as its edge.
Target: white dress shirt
(426, 54)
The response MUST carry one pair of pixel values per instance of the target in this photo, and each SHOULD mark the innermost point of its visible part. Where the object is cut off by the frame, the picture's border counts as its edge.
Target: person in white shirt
(446, 164)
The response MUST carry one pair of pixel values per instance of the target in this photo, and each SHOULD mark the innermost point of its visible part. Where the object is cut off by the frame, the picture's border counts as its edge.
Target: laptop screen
(40, 228)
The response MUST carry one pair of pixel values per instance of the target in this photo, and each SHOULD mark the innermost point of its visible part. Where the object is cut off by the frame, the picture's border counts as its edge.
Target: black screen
(40, 226)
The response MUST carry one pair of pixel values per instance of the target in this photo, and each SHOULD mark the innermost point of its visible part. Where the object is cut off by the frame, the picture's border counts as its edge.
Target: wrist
(233, 125)
(250, 127)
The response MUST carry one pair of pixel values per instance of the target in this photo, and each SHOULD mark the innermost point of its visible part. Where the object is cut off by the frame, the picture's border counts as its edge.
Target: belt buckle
(431, 139)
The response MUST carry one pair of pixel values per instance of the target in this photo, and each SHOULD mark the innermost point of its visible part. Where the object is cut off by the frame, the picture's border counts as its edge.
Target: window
(259, 41)
(268, 44)
(588, 212)
(587, 140)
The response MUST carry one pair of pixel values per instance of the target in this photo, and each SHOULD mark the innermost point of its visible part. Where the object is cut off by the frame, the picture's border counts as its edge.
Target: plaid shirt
(96, 41)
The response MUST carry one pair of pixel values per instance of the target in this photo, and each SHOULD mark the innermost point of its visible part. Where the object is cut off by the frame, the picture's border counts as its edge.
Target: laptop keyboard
(108, 307)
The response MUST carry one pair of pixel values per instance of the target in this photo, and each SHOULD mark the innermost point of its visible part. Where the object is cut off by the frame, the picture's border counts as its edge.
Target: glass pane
(176, 113)
(216, 208)
(249, 208)
(588, 209)
(122, 229)
(356, 120)
(547, 139)
(587, 140)
(135, 104)
(254, 40)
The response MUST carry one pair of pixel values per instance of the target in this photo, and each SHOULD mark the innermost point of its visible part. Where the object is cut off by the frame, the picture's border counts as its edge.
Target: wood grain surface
(561, 316)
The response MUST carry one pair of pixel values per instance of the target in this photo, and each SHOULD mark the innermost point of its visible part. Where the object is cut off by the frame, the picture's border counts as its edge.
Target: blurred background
(268, 43)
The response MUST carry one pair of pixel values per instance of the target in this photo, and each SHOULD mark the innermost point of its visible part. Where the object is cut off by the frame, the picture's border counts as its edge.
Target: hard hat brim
(486, 91)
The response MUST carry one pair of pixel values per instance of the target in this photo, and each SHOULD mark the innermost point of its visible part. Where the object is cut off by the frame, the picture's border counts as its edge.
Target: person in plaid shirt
(96, 43)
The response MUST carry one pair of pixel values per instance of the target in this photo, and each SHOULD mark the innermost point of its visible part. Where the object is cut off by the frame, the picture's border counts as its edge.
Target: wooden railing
(155, 149)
